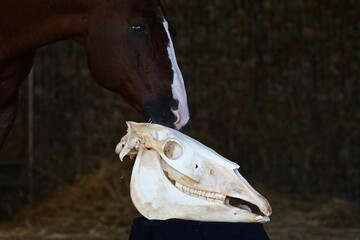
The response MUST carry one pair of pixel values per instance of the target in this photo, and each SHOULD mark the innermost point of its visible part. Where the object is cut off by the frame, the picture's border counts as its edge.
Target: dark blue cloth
(176, 229)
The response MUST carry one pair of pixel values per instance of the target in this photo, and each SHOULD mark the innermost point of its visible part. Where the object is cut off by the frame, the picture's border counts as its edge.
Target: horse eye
(139, 29)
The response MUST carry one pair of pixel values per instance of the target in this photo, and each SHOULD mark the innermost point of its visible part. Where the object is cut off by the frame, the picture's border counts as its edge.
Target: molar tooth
(202, 197)
(209, 196)
(220, 196)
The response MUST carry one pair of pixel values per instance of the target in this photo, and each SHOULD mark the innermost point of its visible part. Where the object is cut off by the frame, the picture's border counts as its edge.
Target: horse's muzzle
(160, 112)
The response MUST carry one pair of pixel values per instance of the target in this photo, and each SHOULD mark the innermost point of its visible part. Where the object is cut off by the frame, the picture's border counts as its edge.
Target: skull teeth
(210, 196)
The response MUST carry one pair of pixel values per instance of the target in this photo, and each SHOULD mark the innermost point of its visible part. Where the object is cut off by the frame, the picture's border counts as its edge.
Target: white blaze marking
(178, 86)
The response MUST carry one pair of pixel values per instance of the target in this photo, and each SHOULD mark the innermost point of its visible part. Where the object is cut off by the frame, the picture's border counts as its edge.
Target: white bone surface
(175, 176)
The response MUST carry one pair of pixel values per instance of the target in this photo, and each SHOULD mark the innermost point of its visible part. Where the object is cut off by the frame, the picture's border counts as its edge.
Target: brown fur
(136, 67)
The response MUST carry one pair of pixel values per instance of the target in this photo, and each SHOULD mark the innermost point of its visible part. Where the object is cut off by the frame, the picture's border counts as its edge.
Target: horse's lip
(180, 122)
(178, 119)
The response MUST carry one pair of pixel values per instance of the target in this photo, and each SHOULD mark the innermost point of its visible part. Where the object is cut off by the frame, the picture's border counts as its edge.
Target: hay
(96, 204)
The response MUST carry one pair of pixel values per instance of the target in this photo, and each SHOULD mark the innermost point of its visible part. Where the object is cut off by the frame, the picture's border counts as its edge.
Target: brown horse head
(130, 51)
(129, 47)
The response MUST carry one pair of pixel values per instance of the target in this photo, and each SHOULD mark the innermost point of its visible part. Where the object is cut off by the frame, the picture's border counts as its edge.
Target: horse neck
(27, 25)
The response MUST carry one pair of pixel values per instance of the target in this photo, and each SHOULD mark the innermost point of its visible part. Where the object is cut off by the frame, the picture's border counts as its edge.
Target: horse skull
(175, 176)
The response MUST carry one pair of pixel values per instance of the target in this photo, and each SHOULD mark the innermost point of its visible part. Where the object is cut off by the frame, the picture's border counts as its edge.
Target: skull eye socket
(172, 149)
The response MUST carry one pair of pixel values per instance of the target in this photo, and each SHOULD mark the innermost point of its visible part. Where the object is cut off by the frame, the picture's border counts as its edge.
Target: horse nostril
(174, 105)
(177, 116)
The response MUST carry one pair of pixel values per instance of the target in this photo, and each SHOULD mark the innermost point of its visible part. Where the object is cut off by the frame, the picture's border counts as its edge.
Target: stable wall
(272, 85)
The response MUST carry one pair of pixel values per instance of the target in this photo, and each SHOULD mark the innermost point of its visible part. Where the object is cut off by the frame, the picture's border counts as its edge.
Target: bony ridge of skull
(175, 176)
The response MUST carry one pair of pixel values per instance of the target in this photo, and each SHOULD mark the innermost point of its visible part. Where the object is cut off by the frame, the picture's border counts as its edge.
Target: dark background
(272, 84)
